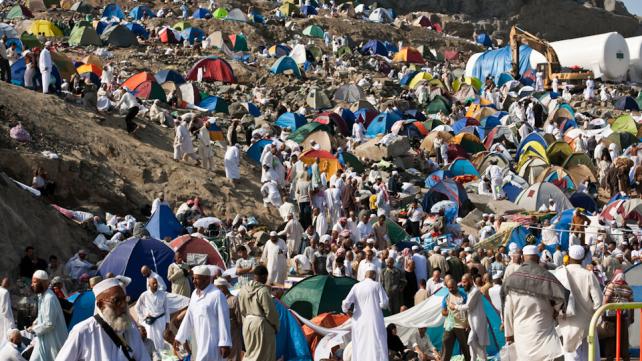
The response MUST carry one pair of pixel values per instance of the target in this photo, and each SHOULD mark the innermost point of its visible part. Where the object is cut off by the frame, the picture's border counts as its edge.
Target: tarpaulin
(496, 62)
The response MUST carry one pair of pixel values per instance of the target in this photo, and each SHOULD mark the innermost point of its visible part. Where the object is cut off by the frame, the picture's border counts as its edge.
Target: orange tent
(408, 55)
(135, 80)
(328, 163)
(90, 68)
(327, 320)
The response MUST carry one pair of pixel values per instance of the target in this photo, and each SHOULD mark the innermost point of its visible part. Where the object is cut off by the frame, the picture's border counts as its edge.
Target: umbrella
(205, 222)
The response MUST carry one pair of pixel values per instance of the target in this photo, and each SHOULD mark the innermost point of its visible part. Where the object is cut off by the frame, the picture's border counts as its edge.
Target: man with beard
(110, 334)
(207, 322)
(49, 326)
(153, 313)
(478, 334)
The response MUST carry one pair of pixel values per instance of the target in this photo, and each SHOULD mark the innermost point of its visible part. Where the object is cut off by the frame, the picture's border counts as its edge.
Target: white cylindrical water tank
(635, 52)
(470, 65)
(607, 55)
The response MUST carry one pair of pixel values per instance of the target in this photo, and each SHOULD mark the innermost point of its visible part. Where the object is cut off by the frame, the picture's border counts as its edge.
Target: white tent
(298, 54)
(236, 15)
(214, 40)
(380, 15)
(533, 197)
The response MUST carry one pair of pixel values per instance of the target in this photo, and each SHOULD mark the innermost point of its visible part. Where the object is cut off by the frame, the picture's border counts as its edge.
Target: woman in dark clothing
(394, 342)
(411, 283)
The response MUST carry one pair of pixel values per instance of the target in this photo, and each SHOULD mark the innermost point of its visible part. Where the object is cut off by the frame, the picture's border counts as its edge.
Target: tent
(462, 166)
(239, 42)
(469, 142)
(318, 99)
(308, 10)
(449, 190)
(530, 139)
(163, 223)
(382, 124)
(169, 75)
(255, 150)
(189, 93)
(380, 15)
(214, 69)
(538, 194)
(625, 123)
(314, 31)
(408, 55)
(36, 5)
(335, 120)
(19, 12)
(348, 160)
(83, 307)
(182, 25)
(302, 132)
(45, 27)
(129, 256)
(8, 31)
(237, 15)
(626, 103)
(558, 151)
(168, 35)
(439, 104)
(196, 251)
(30, 41)
(484, 39)
(214, 40)
(141, 11)
(290, 120)
(318, 294)
(328, 163)
(622, 139)
(64, 65)
(135, 80)
(113, 11)
(288, 9)
(291, 344)
(279, 50)
(374, 47)
(150, 89)
(119, 36)
(422, 21)
(286, 64)
(137, 29)
(220, 13)
(90, 68)
(193, 34)
(83, 36)
(349, 93)
(214, 104)
(579, 159)
(584, 201)
(326, 320)
(201, 13)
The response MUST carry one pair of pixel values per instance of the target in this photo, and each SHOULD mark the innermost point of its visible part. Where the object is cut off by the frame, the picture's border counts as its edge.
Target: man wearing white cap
(45, 65)
(274, 258)
(110, 334)
(369, 342)
(49, 327)
(293, 233)
(530, 297)
(585, 289)
(207, 322)
(10, 352)
(153, 313)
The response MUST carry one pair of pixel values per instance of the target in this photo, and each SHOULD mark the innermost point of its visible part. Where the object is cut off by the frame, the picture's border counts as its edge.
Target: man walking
(456, 325)
(49, 326)
(153, 313)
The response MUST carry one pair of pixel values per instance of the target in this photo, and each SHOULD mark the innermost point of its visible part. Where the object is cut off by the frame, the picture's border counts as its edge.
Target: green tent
(318, 294)
(314, 31)
(396, 233)
(30, 41)
(302, 132)
(438, 104)
(83, 36)
(579, 158)
(182, 25)
(353, 162)
(344, 50)
(625, 123)
(622, 139)
(639, 100)
(431, 124)
(19, 12)
(558, 151)
(220, 13)
(239, 42)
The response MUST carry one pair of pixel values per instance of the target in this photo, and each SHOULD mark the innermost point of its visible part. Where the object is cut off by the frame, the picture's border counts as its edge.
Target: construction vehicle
(552, 68)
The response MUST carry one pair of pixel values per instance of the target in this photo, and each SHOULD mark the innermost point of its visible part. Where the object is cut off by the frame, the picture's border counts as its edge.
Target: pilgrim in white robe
(9, 352)
(88, 341)
(271, 194)
(207, 324)
(293, 233)
(274, 257)
(45, 65)
(478, 335)
(574, 328)
(50, 328)
(6, 315)
(153, 304)
(162, 286)
(333, 201)
(529, 320)
(182, 142)
(205, 148)
(369, 340)
(232, 162)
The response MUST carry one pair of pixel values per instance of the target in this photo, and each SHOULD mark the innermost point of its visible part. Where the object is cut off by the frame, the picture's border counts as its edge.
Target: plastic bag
(508, 353)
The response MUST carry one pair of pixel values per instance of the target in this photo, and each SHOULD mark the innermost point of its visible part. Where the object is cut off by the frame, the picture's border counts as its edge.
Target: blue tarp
(255, 151)
(131, 255)
(83, 307)
(113, 10)
(139, 11)
(291, 344)
(519, 235)
(163, 223)
(291, 120)
(562, 223)
(496, 62)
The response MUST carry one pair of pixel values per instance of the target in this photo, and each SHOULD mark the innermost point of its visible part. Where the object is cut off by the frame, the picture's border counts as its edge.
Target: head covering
(201, 271)
(41, 275)
(530, 250)
(498, 275)
(437, 248)
(576, 252)
(221, 282)
(48, 43)
(273, 234)
(56, 279)
(370, 267)
(325, 238)
(415, 248)
(105, 285)
(618, 278)
(242, 228)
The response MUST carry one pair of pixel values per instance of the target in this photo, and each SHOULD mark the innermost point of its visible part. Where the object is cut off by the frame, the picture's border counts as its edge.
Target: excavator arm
(518, 37)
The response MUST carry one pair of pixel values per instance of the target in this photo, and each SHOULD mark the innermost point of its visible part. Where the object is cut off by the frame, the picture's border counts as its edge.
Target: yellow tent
(46, 27)
(289, 9)
(419, 78)
(328, 163)
(66, 4)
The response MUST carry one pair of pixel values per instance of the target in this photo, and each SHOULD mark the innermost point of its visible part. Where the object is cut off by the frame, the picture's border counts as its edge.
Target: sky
(634, 6)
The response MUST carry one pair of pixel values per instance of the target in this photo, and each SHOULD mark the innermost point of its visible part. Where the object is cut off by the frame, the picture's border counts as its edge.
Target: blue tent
(496, 335)
(504, 78)
(255, 151)
(163, 224)
(462, 166)
(484, 40)
(408, 78)
(252, 109)
(391, 47)
(166, 75)
(347, 115)
(103, 25)
(214, 104)
(308, 10)
(291, 344)
(291, 120)
(459, 125)
(492, 121)
(374, 47)
(131, 255)
(138, 30)
(583, 200)
(496, 62)
(285, 63)
(436, 177)
(192, 34)
(382, 123)
(141, 11)
(281, 50)
(113, 11)
(449, 190)
(511, 191)
(562, 224)
(201, 13)
(520, 236)
(529, 138)
(18, 43)
(84, 303)
(18, 74)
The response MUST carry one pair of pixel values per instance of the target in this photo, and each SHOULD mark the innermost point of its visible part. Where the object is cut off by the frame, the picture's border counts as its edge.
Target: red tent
(437, 27)
(327, 320)
(167, 36)
(150, 89)
(451, 54)
(135, 80)
(189, 246)
(214, 69)
(331, 117)
(423, 21)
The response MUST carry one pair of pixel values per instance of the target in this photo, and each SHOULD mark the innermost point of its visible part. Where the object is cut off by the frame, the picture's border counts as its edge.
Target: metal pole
(592, 337)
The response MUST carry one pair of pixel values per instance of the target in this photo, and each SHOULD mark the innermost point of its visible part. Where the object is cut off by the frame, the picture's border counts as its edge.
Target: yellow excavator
(552, 68)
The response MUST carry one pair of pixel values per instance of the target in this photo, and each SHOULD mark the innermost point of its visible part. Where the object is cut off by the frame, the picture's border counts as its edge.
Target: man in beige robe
(236, 320)
(260, 318)
(293, 233)
(177, 274)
